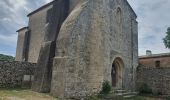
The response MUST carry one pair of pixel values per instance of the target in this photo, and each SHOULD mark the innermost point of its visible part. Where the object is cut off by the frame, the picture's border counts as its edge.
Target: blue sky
(153, 18)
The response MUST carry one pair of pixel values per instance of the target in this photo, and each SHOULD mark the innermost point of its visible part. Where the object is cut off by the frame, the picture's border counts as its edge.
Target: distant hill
(6, 57)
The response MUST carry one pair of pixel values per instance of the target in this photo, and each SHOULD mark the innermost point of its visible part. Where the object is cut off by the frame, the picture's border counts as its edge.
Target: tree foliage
(6, 58)
(167, 38)
(145, 89)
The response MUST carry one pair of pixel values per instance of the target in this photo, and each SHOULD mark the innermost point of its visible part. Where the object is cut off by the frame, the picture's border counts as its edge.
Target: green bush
(93, 98)
(167, 98)
(106, 88)
(145, 89)
(159, 93)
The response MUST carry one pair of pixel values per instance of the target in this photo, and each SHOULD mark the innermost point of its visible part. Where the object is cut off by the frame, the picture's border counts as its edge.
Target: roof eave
(42, 7)
(22, 29)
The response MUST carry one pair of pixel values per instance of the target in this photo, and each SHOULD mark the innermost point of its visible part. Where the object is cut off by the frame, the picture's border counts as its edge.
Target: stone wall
(21, 51)
(151, 61)
(38, 23)
(158, 79)
(16, 74)
(94, 34)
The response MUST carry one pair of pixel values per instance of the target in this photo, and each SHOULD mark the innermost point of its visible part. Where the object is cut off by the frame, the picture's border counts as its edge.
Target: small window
(49, 15)
(157, 64)
(27, 78)
(119, 16)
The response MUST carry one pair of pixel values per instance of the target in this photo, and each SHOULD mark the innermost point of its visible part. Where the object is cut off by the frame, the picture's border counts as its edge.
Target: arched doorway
(117, 73)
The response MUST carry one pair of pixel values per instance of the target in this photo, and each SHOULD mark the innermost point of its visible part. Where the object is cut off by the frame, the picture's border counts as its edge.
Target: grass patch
(132, 98)
(23, 94)
(143, 98)
(145, 89)
(27, 94)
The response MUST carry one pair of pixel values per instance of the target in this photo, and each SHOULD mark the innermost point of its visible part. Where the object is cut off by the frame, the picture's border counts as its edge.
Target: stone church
(79, 44)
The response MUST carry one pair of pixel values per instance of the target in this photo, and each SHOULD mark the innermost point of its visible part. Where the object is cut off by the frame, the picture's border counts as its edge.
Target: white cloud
(10, 40)
(7, 53)
(8, 44)
(153, 18)
(47, 1)
(6, 19)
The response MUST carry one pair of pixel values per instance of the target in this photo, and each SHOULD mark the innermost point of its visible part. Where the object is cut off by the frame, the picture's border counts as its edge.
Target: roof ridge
(38, 9)
(155, 55)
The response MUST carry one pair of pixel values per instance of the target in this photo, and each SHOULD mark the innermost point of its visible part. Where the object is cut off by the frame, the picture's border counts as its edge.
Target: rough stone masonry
(16, 74)
(83, 43)
(155, 78)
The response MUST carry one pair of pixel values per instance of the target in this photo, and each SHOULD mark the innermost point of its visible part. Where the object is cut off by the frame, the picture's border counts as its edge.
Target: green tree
(167, 38)
(6, 58)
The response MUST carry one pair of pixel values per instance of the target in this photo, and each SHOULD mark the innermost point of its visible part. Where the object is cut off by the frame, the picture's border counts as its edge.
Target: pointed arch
(117, 73)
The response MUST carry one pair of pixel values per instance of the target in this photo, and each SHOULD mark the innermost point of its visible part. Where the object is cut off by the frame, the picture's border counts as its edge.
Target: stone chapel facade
(78, 44)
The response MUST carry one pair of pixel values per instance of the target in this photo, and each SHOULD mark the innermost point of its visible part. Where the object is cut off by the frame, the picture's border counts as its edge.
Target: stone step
(119, 94)
(120, 91)
(134, 93)
(116, 96)
(129, 96)
(126, 93)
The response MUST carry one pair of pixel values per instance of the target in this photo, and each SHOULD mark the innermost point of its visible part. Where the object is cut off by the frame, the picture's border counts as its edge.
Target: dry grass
(20, 94)
(144, 98)
(26, 94)
(132, 98)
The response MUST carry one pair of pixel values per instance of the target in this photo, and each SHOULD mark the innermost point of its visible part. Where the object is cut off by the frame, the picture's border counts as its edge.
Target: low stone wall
(158, 79)
(16, 74)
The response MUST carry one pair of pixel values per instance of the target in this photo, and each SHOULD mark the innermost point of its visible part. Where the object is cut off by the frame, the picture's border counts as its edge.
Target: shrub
(159, 93)
(93, 98)
(145, 89)
(106, 88)
(167, 98)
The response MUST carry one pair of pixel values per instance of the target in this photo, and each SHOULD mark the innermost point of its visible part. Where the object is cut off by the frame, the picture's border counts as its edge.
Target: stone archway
(117, 73)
